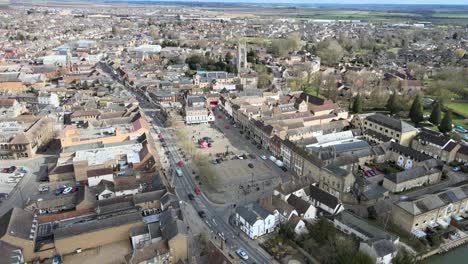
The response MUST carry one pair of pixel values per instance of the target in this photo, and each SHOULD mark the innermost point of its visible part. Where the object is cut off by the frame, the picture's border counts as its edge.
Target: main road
(214, 218)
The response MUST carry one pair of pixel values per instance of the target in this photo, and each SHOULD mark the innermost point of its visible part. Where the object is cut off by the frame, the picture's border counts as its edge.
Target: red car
(180, 163)
(74, 190)
(226, 126)
(197, 190)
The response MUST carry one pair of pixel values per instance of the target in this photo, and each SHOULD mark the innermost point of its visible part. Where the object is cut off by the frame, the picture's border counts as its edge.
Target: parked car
(43, 188)
(44, 179)
(75, 189)
(242, 254)
(250, 165)
(263, 157)
(12, 169)
(59, 190)
(457, 168)
(3, 196)
(67, 190)
(23, 169)
(284, 169)
(12, 180)
(5, 170)
(252, 156)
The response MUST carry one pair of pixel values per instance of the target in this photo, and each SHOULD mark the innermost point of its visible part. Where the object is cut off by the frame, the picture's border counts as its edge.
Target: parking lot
(8, 180)
(243, 172)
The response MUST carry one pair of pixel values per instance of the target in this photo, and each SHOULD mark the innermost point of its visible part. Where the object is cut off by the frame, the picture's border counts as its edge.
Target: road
(184, 185)
(214, 216)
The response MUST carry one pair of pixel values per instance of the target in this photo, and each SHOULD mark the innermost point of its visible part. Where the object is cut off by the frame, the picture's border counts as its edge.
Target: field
(459, 108)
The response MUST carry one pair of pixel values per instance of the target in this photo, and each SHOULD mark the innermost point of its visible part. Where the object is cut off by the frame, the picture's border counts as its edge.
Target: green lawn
(461, 108)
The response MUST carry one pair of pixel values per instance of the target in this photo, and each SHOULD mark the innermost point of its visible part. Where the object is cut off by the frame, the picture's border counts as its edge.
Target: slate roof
(390, 122)
(407, 175)
(433, 137)
(248, 215)
(382, 247)
(299, 204)
(409, 152)
(16, 222)
(96, 225)
(148, 196)
(323, 197)
(172, 229)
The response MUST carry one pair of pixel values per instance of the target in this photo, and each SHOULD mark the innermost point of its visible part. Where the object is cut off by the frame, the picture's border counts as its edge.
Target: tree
(330, 52)
(361, 258)
(416, 111)
(357, 104)
(287, 230)
(460, 53)
(436, 114)
(393, 104)
(403, 257)
(228, 58)
(446, 123)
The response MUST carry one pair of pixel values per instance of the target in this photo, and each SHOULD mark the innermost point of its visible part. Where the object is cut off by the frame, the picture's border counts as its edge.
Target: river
(455, 256)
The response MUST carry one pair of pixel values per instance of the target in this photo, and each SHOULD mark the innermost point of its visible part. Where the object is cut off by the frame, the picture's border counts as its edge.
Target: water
(455, 256)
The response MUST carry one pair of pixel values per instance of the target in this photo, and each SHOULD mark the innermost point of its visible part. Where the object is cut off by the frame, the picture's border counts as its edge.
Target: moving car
(179, 172)
(191, 196)
(242, 254)
(197, 190)
(180, 163)
(202, 214)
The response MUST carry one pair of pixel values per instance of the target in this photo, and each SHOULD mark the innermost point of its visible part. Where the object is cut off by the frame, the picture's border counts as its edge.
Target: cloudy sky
(426, 2)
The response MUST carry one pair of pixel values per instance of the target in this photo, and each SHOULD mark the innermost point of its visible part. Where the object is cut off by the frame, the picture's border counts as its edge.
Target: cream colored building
(431, 210)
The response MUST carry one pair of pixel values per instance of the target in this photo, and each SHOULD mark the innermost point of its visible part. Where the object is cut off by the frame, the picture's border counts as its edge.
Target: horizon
(319, 2)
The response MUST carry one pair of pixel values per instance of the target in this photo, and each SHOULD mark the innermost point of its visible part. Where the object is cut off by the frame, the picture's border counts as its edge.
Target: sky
(404, 2)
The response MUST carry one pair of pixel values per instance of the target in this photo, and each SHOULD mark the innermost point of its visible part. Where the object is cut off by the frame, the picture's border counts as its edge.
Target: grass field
(461, 108)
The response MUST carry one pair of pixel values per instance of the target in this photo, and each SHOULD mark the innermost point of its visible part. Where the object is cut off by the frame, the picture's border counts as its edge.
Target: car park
(242, 254)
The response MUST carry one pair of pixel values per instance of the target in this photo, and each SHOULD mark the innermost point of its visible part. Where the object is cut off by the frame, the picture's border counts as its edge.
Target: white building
(255, 221)
(382, 251)
(48, 99)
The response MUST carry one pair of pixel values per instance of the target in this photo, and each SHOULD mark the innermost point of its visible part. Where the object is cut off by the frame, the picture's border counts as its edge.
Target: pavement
(28, 186)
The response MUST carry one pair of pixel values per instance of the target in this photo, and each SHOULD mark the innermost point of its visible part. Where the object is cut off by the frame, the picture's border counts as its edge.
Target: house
(324, 202)
(51, 99)
(462, 155)
(305, 210)
(11, 81)
(431, 210)
(436, 145)
(254, 221)
(425, 174)
(382, 251)
(379, 128)
(299, 225)
(97, 175)
(10, 108)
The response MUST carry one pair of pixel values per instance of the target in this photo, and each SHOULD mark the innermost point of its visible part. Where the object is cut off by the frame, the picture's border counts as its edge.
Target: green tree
(287, 230)
(330, 52)
(403, 257)
(446, 123)
(436, 114)
(357, 104)
(228, 58)
(361, 258)
(416, 111)
(393, 104)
